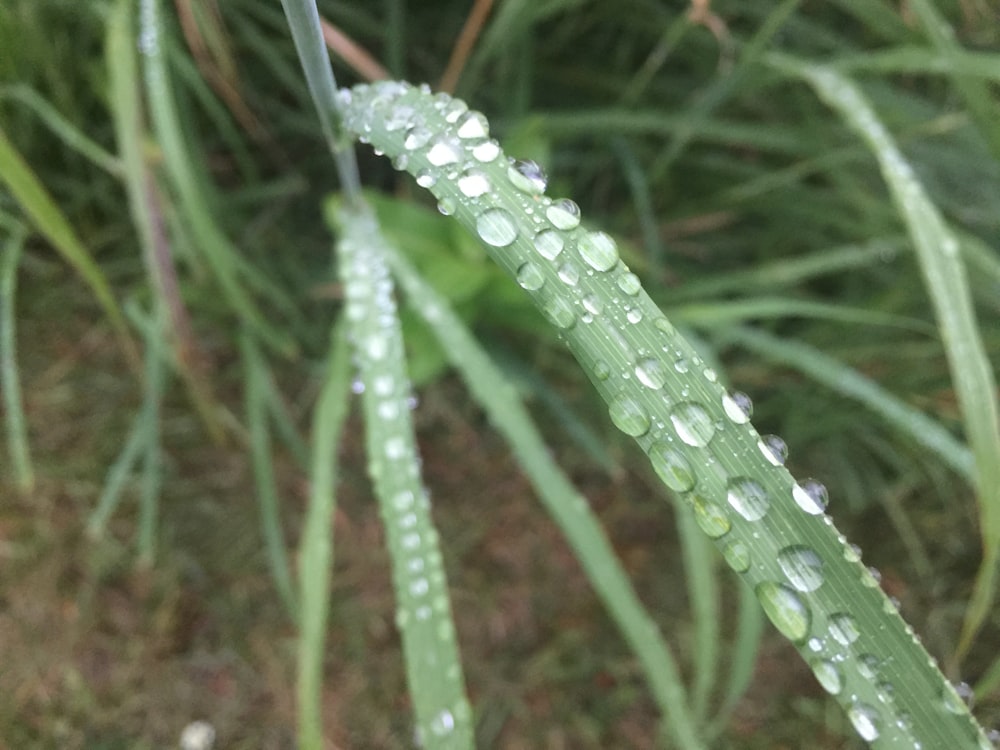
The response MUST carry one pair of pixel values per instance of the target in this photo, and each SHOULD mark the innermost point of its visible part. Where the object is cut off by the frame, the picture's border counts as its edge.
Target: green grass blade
(50, 222)
(938, 254)
(423, 609)
(771, 530)
(849, 382)
(256, 376)
(316, 547)
(562, 501)
(10, 382)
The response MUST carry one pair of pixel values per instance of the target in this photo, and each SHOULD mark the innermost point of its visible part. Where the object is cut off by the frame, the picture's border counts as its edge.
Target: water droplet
(748, 498)
(564, 214)
(400, 162)
(417, 137)
(592, 304)
(737, 556)
(496, 227)
(866, 721)
(569, 274)
(629, 416)
(530, 277)
(419, 587)
(598, 250)
(473, 125)
(446, 206)
(650, 373)
(868, 665)
(486, 152)
(528, 177)
(549, 243)
(399, 118)
(844, 628)
(785, 609)
(811, 496)
(602, 371)
(664, 325)
(711, 518)
(829, 675)
(629, 283)
(693, 424)
(473, 183)
(774, 449)
(738, 407)
(802, 567)
(957, 698)
(426, 178)
(671, 466)
(559, 312)
(443, 152)
(633, 315)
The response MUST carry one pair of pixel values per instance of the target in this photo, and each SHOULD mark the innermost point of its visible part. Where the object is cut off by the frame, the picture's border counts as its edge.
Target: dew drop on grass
(810, 496)
(527, 176)
(843, 628)
(559, 312)
(693, 424)
(737, 556)
(957, 699)
(829, 675)
(549, 243)
(629, 415)
(592, 304)
(486, 152)
(748, 498)
(650, 373)
(399, 118)
(496, 227)
(865, 720)
(629, 283)
(473, 125)
(785, 609)
(774, 449)
(454, 109)
(671, 466)
(530, 277)
(399, 163)
(473, 183)
(569, 274)
(738, 407)
(868, 666)
(711, 518)
(602, 371)
(443, 152)
(416, 137)
(446, 206)
(598, 250)
(564, 214)
(802, 567)
(633, 315)
(426, 178)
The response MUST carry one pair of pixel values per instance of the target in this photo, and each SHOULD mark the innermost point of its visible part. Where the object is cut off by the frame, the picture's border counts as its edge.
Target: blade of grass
(423, 609)
(579, 525)
(50, 222)
(940, 261)
(14, 422)
(316, 547)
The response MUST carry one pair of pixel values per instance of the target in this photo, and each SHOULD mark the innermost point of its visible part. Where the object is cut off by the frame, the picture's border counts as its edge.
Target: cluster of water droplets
(560, 271)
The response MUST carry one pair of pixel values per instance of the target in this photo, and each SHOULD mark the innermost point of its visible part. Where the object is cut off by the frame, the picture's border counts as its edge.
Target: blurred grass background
(745, 202)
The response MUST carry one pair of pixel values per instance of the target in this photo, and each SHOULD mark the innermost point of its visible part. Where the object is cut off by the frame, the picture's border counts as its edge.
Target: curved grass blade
(17, 431)
(423, 610)
(562, 501)
(938, 254)
(316, 548)
(771, 530)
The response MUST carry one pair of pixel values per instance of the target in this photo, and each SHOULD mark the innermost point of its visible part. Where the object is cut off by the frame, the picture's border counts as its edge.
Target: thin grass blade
(14, 422)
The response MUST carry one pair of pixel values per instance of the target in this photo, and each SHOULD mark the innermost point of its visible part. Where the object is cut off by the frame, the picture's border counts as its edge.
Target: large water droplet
(785, 609)
(549, 243)
(446, 206)
(738, 407)
(868, 666)
(651, 373)
(598, 250)
(844, 628)
(811, 496)
(693, 424)
(711, 518)
(802, 566)
(629, 416)
(473, 125)
(569, 274)
(737, 556)
(473, 183)
(426, 178)
(528, 177)
(774, 449)
(592, 304)
(486, 152)
(530, 277)
(443, 152)
(866, 721)
(671, 466)
(559, 312)
(829, 675)
(417, 137)
(629, 283)
(748, 498)
(564, 214)
(496, 227)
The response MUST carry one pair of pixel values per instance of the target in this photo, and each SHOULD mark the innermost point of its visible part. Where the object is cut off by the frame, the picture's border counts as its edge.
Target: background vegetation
(753, 214)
